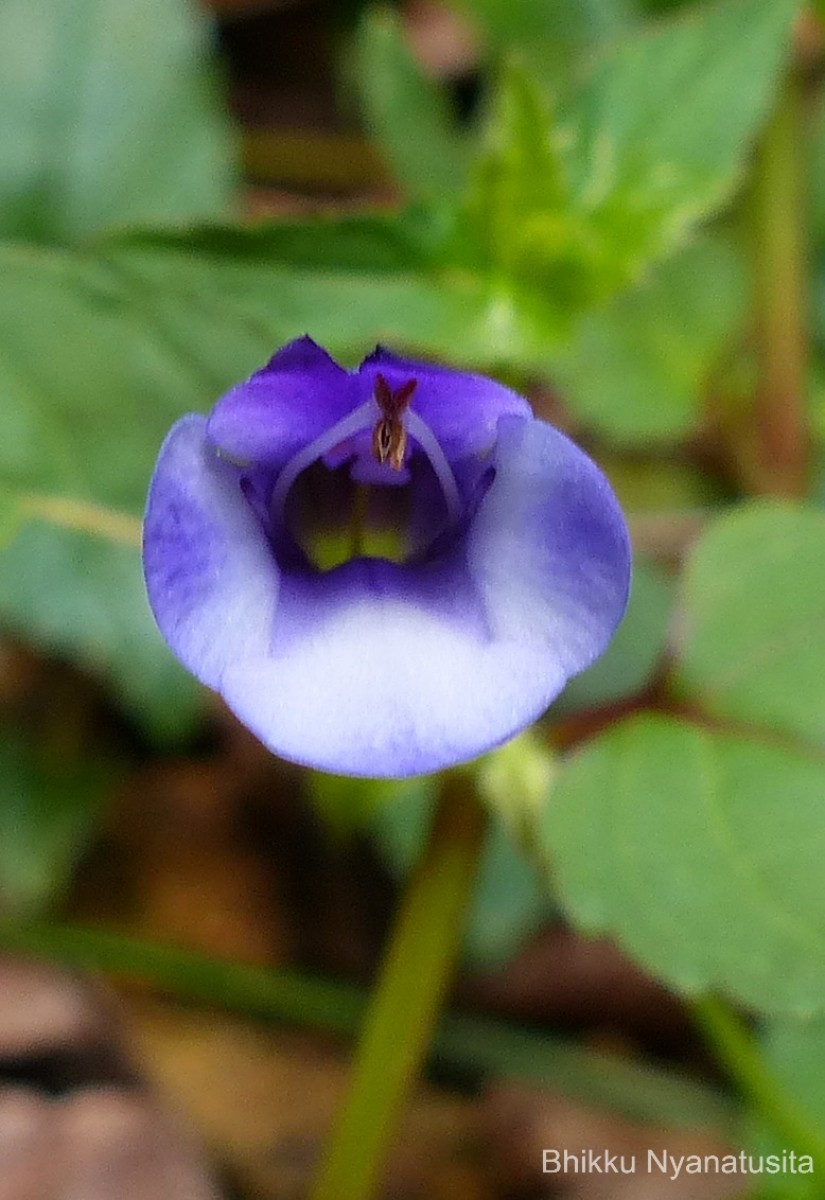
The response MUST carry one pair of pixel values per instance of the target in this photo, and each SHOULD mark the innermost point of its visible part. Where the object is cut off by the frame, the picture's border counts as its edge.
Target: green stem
(403, 1011)
(738, 1053)
(255, 991)
(475, 1045)
(780, 300)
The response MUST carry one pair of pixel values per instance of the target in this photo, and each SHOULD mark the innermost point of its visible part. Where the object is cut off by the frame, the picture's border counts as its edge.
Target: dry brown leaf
(266, 1100)
(521, 1123)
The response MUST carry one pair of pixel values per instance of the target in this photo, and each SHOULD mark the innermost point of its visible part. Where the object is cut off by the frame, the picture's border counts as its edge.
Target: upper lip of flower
(377, 667)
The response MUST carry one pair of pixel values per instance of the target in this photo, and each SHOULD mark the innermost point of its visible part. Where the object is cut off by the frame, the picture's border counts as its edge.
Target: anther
(389, 435)
(389, 444)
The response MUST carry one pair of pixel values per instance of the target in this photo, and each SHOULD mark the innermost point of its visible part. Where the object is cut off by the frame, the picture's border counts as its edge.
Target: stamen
(389, 442)
(429, 443)
(354, 422)
(389, 445)
(393, 403)
(389, 437)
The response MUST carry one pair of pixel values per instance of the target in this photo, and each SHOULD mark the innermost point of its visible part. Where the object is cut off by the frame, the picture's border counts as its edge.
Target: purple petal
(210, 575)
(298, 395)
(548, 549)
(378, 669)
(382, 670)
(462, 409)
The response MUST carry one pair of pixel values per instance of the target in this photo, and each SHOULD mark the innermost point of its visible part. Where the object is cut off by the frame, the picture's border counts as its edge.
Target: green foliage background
(587, 233)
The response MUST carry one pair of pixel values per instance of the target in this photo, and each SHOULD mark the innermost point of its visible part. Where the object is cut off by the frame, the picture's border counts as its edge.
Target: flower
(498, 565)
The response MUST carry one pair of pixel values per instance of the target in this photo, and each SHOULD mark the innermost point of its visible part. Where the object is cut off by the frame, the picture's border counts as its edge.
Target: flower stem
(781, 466)
(738, 1053)
(410, 990)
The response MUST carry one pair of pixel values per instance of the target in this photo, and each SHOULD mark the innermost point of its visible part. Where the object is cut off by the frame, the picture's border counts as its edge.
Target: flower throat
(339, 513)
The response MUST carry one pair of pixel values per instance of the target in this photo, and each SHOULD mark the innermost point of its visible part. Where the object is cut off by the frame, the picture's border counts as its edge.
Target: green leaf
(794, 1051)
(407, 113)
(11, 516)
(83, 598)
(108, 115)
(701, 853)
(222, 294)
(792, 1054)
(753, 631)
(630, 661)
(88, 394)
(550, 32)
(576, 203)
(48, 813)
(637, 370)
(519, 219)
(659, 134)
(509, 905)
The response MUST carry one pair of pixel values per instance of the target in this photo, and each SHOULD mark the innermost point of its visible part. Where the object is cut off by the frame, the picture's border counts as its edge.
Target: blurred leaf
(815, 166)
(89, 387)
(510, 904)
(753, 634)
(701, 853)
(11, 517)
(48, 813)
(408, 113)
(348, 805)
(108, 114)
(661, 487)
(638, 370)
(550, 32)
(659, 133)
(630, 661)
(792, 1053)
(71, 344)
(577, 203)
(220, 295)
(519, 214)
(83, 598)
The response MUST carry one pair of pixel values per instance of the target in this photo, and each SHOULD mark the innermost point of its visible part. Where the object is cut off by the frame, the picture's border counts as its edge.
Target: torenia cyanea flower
(485, 560)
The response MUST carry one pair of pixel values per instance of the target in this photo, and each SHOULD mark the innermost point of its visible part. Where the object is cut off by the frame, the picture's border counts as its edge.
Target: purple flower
(507, 574)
